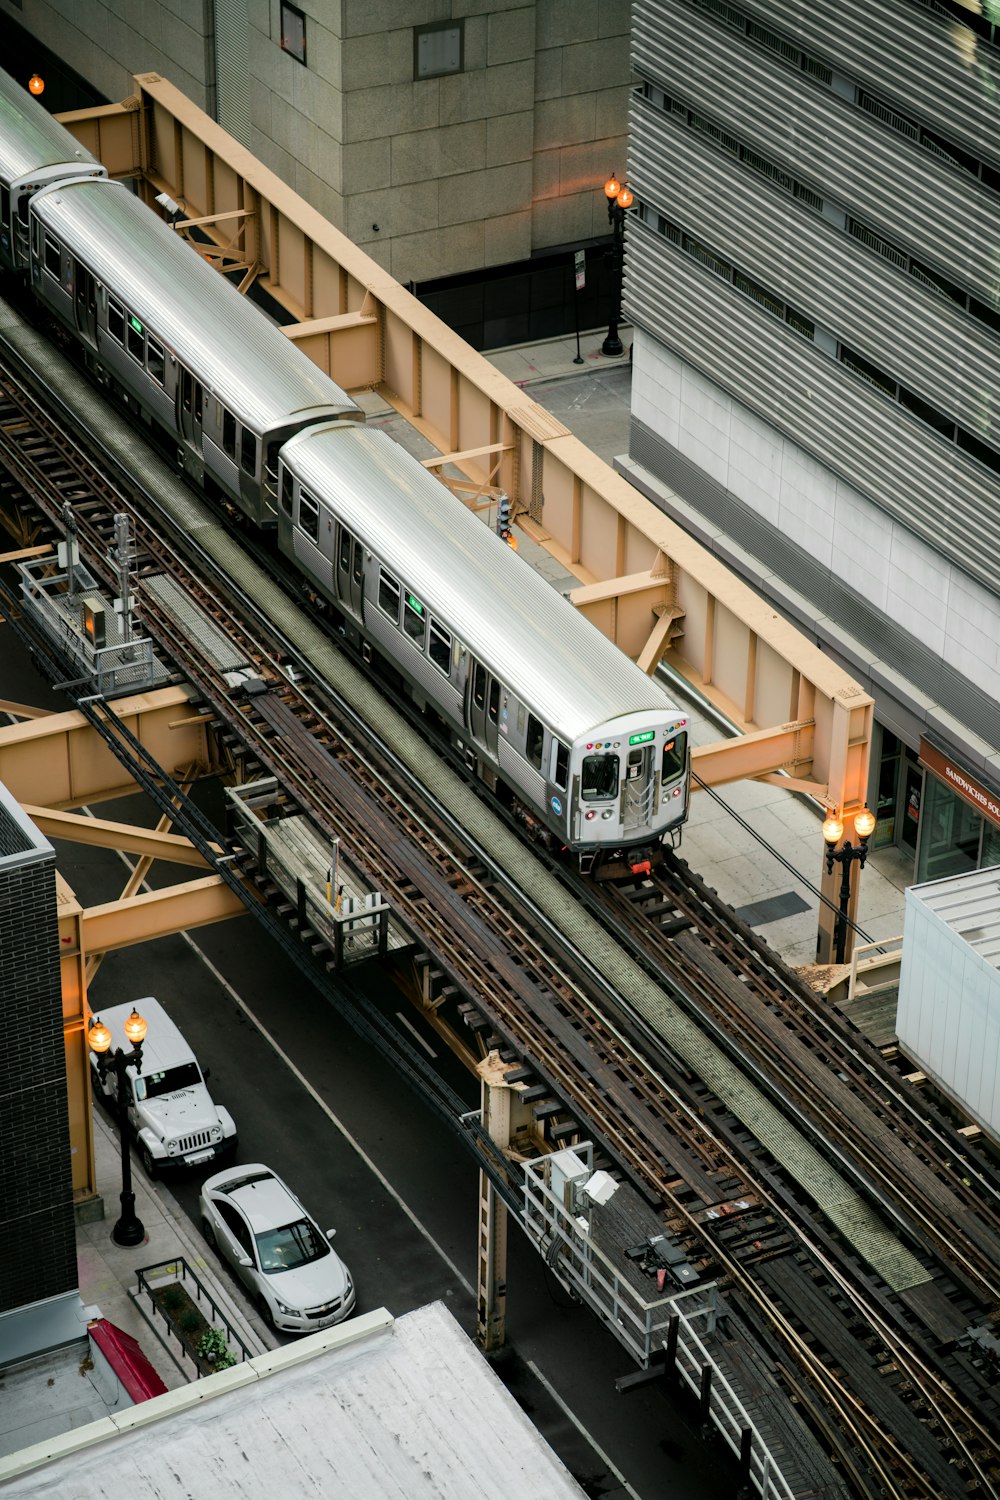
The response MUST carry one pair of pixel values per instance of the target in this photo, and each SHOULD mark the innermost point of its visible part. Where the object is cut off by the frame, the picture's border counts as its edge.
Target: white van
(174, 1120)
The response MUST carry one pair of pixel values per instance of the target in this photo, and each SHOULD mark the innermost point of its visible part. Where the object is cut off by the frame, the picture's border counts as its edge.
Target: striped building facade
(813, 273)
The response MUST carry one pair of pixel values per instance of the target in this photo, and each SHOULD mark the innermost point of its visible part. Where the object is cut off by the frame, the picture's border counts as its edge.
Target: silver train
(590, 751)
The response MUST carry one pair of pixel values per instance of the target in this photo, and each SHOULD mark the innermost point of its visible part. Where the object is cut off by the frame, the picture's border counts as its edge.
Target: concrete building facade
(812, 273)
(445, 136)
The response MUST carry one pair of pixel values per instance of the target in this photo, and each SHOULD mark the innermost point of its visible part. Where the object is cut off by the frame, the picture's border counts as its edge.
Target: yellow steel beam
(155, 914)
(787, 746)
(59, 761)
(103, 834)
(25, 553)
(72, 968)
(23, 710)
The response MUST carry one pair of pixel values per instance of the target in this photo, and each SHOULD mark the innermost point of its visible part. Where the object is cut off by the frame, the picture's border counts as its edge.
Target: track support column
(491, 1299)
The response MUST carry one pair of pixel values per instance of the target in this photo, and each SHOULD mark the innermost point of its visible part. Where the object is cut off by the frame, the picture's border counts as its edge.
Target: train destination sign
(643, 738)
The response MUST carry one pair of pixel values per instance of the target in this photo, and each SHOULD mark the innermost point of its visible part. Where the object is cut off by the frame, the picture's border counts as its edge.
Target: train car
(35, 151)
(542, 704)
(168, 333)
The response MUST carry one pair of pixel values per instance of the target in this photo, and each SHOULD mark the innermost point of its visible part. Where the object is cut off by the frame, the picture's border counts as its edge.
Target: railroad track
(915, 1438)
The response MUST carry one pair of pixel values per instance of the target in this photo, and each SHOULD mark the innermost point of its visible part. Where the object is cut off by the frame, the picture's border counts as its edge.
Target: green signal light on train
(134, 323)
(415, 604)
(643, 738)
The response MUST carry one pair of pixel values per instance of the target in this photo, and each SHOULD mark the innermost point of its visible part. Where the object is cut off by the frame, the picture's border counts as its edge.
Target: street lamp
(864, 824)
(619, 199)
(129, 1228)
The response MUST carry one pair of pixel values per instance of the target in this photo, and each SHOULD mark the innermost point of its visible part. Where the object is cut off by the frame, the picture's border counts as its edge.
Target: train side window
(533, 742)
(479, 685)
(135, 340)
(248, 452)
(4, 208)
(53, 258)
(493, 706)
(414, 620)
(186, 389)
(358, 570)
(154, 360)
(287, 491)
(560, 774)
(674, 757)
(440, 649)
(344, 551)
(229, 434)
(388, 596)
(308, 515)
(199, 401)
(116, 320)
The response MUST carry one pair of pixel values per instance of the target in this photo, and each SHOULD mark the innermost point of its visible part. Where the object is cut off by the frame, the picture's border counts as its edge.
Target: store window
(950, 835)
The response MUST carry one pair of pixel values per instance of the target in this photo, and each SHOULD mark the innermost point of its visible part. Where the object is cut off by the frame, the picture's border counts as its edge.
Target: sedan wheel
(208, 1234)
(264, 1308)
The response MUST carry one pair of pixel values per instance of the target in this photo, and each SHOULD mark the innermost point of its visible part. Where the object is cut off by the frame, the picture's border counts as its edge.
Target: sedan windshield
(294, 1245)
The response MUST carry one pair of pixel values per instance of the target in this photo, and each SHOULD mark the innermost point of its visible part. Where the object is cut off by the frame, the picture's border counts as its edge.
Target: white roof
(511, 619)
(236, 351)
(412, 1411)
(967, 904)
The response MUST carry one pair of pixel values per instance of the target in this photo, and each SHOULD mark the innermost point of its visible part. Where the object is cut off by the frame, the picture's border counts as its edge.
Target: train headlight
(608, 812)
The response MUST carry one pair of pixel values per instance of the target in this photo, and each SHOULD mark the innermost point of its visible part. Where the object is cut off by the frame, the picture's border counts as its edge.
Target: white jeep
(172, 1116)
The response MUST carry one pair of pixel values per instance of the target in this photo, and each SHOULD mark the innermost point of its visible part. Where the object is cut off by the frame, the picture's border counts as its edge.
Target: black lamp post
(129, 1229)
(619, 199)
(864, 824)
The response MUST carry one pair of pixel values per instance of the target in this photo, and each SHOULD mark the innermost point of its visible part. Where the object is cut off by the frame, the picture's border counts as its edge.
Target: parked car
(173, 1117)
(255, 1221)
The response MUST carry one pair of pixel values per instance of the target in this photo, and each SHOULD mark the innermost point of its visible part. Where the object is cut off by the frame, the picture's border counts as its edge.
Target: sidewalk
(107, 1271)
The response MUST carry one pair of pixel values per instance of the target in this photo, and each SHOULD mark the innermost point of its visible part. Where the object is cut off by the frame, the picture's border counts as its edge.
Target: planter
(187, 1323)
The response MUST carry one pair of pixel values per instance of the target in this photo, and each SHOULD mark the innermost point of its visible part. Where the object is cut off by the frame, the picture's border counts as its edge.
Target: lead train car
(534, 693)
(35, 151)
(162, 328)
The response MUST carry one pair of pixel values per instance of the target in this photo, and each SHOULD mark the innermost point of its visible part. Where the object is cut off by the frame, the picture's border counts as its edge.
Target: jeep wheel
(148, 1164)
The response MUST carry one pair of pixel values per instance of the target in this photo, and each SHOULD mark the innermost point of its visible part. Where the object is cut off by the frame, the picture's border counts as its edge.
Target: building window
(293, 31)
(438, 49)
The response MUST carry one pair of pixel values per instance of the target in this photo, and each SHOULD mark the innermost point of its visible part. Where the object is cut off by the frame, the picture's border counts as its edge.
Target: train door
(637, 794)
(483, 708)
(191, 408)
(85, 303)
(350, 572)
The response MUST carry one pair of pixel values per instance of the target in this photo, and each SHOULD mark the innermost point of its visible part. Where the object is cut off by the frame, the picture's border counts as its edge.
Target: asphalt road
(366, 1155)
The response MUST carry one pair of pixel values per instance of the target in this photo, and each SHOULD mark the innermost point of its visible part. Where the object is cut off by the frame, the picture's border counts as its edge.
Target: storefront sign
(961, 782)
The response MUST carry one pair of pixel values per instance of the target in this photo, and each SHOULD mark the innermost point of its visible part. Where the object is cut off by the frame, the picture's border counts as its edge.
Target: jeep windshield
(152, 1085)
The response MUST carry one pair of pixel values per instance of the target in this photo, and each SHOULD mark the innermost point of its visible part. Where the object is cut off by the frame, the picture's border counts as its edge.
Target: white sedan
(255, 1221)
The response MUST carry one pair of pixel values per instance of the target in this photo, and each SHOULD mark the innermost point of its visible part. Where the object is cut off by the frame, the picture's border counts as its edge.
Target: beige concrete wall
(475, 169)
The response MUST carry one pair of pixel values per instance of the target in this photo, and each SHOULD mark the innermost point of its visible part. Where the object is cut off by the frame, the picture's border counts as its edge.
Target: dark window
(985, 454)
(533, 742)
(248, 452)
(293, 31)
(479, 685)
(168, 1081)
(294, 1245)
(388, 596)
(237, 1225)
(985, 314)
(926, 412)
(5, 207)
(674, 758)
(116, 320)
(493, 707)
(440, 649)
(287, 491)
(438, 49)
(229, 434)
(136, 339)
(868, 371)
(154, 360)
(358, 571)
(308, 515)
(414, 620)
(561, 773)
(53, 258)
(344, 551)
(599, 778)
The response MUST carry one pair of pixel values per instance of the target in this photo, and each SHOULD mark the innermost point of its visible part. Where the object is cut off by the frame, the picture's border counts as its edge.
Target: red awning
(125, 1357)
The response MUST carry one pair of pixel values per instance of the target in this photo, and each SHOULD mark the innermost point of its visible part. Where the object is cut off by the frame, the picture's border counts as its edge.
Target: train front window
(533, 742)
(599, 778)
(674, 758)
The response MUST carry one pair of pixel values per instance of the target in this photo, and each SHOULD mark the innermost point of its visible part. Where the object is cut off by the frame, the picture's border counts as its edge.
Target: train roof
(232, 347)
(30, 138)
(518, 625)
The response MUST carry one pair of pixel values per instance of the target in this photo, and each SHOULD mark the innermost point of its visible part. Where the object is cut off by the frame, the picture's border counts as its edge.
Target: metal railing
(178, 1270)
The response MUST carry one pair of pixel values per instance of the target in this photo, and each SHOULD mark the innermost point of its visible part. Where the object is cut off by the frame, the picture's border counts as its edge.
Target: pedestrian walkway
(108, 1272)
